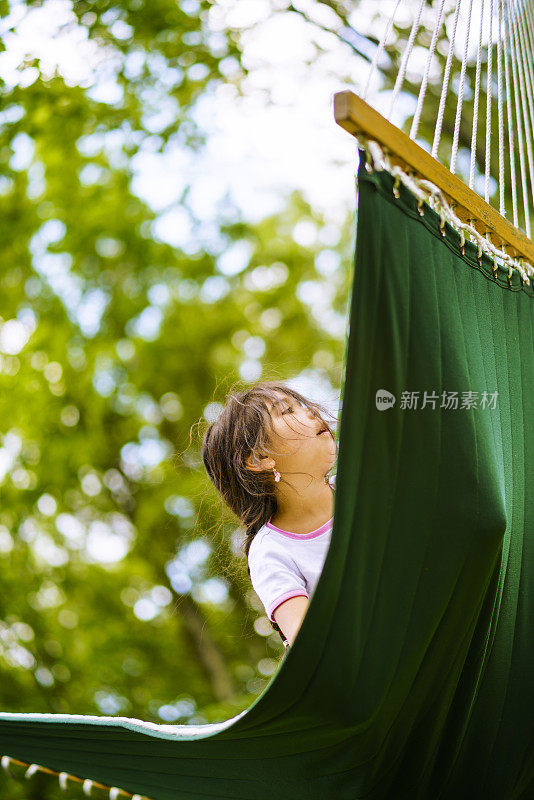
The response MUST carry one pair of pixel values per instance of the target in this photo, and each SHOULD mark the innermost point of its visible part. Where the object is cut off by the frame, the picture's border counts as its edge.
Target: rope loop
(6, 761)
(32, 769)
(524, 278)
(420, 208)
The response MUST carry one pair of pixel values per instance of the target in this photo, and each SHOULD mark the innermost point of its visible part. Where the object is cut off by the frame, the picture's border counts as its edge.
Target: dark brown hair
(242, 429)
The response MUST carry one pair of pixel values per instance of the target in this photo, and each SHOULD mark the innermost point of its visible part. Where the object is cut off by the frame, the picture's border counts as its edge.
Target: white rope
(510, 123)
(526, 94)
(526, 51)
(475, 112)
(427, 192)
(489, 95)
(530, 45)
(502, 208)
(526, 77)
(405, 56)
(530, 25)
(379, 51)
(519, 125)
(460, 94)
(528, 21)
(441, 111)
(422, 90)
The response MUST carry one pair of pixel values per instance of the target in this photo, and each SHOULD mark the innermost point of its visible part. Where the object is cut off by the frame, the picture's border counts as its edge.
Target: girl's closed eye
(291, 408)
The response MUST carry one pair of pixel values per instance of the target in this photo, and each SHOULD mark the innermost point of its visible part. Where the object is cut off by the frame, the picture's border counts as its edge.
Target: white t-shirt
(284, 564)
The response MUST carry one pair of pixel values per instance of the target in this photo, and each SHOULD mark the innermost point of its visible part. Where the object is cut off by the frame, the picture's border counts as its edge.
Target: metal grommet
(442, 224)
(420, 208)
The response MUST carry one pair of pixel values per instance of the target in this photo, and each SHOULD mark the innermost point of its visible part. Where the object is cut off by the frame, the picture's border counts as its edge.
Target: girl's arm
(289, 615)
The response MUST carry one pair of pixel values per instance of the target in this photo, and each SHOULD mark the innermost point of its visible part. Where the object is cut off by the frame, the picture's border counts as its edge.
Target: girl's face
(297, 444)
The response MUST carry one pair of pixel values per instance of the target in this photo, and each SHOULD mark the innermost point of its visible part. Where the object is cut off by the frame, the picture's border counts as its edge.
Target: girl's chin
(328, 438)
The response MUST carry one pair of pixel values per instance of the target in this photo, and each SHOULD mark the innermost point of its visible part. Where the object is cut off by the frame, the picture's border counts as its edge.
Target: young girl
(268, 454)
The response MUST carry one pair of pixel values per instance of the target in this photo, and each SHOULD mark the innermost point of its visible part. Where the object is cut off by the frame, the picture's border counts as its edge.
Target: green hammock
(412, 673)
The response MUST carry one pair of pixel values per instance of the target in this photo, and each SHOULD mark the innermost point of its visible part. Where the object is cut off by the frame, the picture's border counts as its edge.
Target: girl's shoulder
(264, 543)
(256, 543)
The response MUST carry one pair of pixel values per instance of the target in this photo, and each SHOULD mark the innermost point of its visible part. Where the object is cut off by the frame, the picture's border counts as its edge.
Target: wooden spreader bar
(356, 116)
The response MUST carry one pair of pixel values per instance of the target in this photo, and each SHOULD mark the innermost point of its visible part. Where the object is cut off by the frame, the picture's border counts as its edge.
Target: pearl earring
(276, 475)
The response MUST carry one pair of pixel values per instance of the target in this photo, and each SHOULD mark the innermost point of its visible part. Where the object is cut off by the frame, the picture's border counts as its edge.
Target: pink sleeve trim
(283, 597)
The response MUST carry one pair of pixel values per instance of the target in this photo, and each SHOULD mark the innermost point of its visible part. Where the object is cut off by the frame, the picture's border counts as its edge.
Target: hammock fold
(411, 675)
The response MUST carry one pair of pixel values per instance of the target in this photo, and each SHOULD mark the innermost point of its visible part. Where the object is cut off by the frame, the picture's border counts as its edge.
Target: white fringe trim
(427, 192)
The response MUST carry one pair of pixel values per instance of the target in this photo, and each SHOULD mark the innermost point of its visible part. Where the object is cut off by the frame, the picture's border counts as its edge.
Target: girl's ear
(259, 464)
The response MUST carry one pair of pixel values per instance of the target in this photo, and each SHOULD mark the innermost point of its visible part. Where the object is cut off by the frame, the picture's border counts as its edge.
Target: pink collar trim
(310, 535)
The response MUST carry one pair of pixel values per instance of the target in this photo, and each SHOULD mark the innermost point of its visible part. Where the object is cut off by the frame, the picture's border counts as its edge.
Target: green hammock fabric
(412, 673)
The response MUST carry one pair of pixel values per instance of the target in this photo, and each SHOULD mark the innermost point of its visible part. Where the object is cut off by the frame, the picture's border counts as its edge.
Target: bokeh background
(177, 214)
